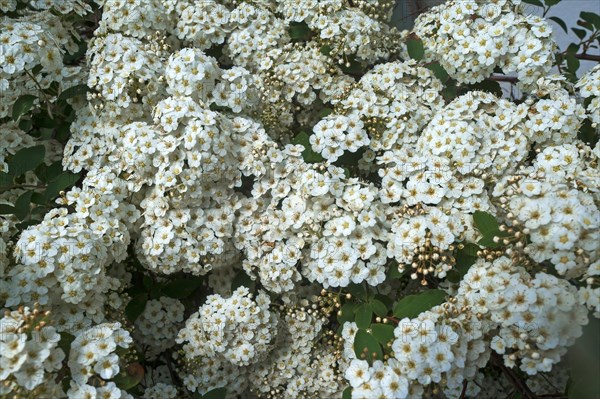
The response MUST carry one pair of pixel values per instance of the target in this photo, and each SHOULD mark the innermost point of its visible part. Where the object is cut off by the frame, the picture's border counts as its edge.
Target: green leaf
(25, 125)
(438, 71)
(43, 120)
(136, 306)
(592, 18)
(534, 2)
(6, 209)
(364, 314)
(355, 67)
(26, 159)
(551, 3)
(366, 347)
(147, 282)
(325, 112)
(347, 312)
(383, 333)
(22, 106)
(379, 308)
(415, 49)
(561, 23)
(326, 49)
(242, 279)
(38, 199)
(412, 306)
(488, 86)
(6, 180)
(358, 291)
(488, 242)
(386, 300)
(588, 134)
(572, 63)
(54, 170)
(217, 393)
(347, 394)
(299, 31)
(73, 91)
(393, 271)
(181, 288)
(485, 223)
(308, 154)
(584, 363)
(130, 377)
(579, 32)
(466, 257)
(60, 183)
(22, 205)
(65, 342)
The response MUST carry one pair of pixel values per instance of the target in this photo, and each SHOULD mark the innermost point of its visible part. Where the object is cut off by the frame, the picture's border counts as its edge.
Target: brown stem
(514, 378)
(15, 186)
(588, 57)
(503, 78)
(463, 393)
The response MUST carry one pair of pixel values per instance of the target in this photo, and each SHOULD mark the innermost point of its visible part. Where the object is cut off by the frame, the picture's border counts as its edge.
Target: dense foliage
(293, 199)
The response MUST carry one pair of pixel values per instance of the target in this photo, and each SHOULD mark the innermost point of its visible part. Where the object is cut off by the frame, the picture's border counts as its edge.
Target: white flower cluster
(120, 65)
(161, 391)
(159, 324)
(470, 39)
(412, 179)
(136, 18)
(12, 141)
(427, 349)
(528, 320)
(561, 219)
(237, 329)
(94, 353)
(31, 56)
(477, 130)
(411, 236)
(346, 30)
(535, 317)
(298, 367)
(554, 116)
(64, 257)
(589, 89)
(331, 225)
(30, 358)
(386, 108)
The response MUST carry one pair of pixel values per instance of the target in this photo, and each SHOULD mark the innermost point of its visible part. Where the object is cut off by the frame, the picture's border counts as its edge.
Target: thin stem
(588, 57)
(504, 78)
(46, 100)
(463, 393)
(6, 188)
(519, 384)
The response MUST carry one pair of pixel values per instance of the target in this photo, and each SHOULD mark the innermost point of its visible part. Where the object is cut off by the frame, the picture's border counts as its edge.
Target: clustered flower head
(535, 318)
(561, 217)
(329, 224)
(589, 88)
(30, 358)
(385, 109)
(527, 320)
(470, 39)
(158, 325)
(94, 353)
(237, 329)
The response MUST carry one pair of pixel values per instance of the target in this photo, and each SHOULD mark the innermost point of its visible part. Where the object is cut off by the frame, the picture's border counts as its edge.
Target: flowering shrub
(293, 199)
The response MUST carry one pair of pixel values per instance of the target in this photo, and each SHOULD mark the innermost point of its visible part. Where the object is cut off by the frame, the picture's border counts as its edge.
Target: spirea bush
(290, 199)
